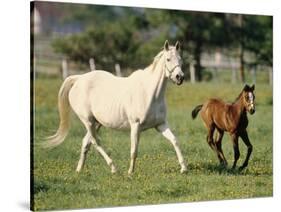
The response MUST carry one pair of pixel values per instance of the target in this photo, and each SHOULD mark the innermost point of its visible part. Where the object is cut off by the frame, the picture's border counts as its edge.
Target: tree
(134, 36)
(197, 31)
(258, 38)
(110, 43)
(250, 33)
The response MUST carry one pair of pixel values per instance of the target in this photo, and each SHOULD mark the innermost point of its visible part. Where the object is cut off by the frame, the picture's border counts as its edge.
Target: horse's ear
(177, 45)
(166, 45)
(253, 87)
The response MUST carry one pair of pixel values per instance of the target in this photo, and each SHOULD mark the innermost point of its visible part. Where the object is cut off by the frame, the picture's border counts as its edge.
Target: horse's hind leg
(218, 143)
(84, 149)
(210, 137)
(92, 138)
(95, 142)
(245, 138)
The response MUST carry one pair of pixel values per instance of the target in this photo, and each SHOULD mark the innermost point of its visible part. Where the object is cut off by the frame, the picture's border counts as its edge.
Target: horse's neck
(158, 82)
(239, 106)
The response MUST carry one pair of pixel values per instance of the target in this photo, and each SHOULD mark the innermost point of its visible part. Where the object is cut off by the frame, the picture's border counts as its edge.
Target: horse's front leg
(234, 137)
(246, 140)
(166, 132)
(135, 134)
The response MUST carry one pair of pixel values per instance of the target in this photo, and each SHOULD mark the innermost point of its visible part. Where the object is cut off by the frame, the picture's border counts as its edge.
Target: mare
(134, 103)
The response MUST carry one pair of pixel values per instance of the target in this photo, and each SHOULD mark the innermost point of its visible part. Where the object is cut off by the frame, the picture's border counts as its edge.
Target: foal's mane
(238, 97)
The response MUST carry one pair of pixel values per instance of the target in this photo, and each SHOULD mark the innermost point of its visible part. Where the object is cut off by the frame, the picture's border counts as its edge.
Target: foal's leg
(84, 149)
(236, 149)
(166, 132)
(245, 138)
(210, 139)
(218, 143)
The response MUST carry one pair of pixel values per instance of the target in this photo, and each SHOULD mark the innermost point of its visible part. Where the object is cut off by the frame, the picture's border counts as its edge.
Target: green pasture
(157, 177)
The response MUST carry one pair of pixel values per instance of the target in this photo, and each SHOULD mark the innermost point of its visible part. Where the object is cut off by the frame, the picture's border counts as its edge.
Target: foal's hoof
(223, 165)
(241, 168)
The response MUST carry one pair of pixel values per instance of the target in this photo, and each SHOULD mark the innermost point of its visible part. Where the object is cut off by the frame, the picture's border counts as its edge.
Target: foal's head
(248, 97)
(173, 63)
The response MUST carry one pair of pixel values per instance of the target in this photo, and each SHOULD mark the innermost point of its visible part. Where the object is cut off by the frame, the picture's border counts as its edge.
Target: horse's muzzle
(252, 111)
(179, 79)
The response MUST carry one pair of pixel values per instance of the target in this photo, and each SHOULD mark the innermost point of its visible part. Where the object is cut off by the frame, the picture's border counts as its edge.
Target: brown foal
(232, 118)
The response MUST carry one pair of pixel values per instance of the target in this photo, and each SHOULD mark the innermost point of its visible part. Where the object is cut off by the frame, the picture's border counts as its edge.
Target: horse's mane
(155, 60)
(238, 97)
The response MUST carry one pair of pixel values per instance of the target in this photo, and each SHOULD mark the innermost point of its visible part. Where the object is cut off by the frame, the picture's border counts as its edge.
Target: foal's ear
(177, 45)
(246, 88)
(166, 45)
(253, 87)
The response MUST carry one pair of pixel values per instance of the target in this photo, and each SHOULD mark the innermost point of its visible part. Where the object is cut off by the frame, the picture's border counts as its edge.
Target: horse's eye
(168, 59)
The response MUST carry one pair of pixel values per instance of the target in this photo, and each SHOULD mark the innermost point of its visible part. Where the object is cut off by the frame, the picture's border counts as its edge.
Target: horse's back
(214, 111)
(214, 104)
(115, 101)
(100, 94)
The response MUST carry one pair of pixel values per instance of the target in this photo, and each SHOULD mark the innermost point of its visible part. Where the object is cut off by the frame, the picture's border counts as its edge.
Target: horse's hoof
(241, 168)
(113, 170)
(183, 170)
(130, 172)
(223, 165)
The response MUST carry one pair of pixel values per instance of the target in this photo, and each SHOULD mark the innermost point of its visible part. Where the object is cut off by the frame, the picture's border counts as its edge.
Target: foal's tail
(64, 113)
(195, 111)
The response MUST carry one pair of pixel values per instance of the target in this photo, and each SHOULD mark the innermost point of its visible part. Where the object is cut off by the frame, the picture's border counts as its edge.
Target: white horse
(136, 102)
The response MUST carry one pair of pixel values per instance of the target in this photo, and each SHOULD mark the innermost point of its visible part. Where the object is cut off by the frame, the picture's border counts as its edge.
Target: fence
(221, 66)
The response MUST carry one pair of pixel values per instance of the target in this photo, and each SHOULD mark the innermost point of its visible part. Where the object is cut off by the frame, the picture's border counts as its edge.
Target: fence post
(234, 72)
(254, 73)
(92, 64)
(64, 69)
(118, 70)
(270, 75)
(34, 66)
(192, 72)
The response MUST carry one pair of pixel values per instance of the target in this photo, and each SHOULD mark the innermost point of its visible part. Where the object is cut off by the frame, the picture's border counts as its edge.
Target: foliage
(111, 43)
(196, 31)
(258, 38)
(132, 36)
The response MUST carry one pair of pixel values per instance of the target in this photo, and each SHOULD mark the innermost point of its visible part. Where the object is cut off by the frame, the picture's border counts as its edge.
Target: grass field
(157, 177)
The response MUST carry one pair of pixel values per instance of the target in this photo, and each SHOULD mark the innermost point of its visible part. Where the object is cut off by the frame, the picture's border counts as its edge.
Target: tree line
(131, 37)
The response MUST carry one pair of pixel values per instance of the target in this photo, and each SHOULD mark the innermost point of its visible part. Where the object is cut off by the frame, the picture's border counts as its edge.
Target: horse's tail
(64, 113)
(195, 111)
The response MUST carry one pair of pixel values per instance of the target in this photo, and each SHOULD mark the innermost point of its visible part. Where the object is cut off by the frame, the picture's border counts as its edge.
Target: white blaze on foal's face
(251, 102)
(173, 63)
(250, 99)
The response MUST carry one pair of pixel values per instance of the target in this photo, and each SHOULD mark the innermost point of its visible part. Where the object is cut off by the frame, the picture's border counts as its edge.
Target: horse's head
(249, 98)
(173, 63)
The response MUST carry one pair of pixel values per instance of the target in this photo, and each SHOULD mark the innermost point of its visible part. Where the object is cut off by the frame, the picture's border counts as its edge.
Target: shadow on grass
(220, 169)
(40, 186)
